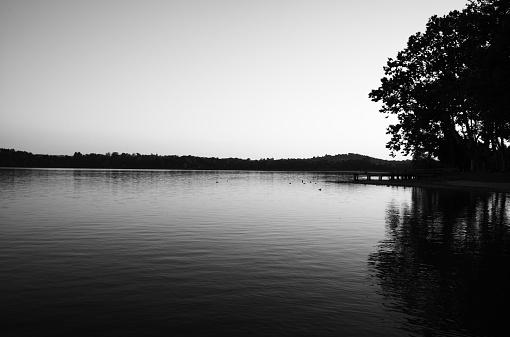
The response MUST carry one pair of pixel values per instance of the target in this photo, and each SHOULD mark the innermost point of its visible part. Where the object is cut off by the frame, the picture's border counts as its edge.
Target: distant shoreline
(115, 160)
(486, 181)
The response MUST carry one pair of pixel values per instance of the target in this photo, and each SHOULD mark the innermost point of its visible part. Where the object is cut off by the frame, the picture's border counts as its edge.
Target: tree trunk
(502, 154)
(466, 148)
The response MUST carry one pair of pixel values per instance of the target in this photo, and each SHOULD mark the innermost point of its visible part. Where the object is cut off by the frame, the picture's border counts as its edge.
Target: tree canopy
(450, 89)
(115, 160)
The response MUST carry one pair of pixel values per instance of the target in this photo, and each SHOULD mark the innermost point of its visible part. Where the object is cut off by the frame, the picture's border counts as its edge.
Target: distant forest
(115, 160)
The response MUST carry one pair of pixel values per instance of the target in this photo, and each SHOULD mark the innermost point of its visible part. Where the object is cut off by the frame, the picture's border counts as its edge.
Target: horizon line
(190, 155)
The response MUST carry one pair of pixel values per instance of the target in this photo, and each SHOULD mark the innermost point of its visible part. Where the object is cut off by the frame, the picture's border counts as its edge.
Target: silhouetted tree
(434, 87)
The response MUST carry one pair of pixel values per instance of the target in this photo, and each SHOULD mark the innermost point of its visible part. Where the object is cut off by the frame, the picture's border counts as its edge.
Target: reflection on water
(116, 253)
(445, 262)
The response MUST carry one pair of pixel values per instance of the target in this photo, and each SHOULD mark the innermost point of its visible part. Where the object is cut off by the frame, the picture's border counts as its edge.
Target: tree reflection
(444, 264)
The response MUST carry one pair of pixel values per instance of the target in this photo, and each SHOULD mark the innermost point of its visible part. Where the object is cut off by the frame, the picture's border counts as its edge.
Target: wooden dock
(397, 174)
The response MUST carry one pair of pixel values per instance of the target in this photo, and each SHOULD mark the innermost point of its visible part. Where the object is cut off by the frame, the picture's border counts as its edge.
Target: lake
(162, 252)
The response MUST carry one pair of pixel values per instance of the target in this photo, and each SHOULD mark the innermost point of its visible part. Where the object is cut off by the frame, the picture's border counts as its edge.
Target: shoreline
(490, 182)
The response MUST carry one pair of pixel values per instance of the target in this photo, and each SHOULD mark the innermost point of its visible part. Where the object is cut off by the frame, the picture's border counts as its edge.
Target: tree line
(115, 160)
(450, 89)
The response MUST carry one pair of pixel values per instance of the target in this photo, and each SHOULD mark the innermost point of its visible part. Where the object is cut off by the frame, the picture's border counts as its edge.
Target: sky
(247, 79)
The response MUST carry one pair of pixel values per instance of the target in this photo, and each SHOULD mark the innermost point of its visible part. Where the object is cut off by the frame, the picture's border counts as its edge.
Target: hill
(339, 162)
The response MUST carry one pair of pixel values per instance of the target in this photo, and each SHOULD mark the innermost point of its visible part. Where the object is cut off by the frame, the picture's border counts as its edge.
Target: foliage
(449, 88)
(347, 162)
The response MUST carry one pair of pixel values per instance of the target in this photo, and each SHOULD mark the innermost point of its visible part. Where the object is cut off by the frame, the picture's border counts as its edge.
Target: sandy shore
(492, 181)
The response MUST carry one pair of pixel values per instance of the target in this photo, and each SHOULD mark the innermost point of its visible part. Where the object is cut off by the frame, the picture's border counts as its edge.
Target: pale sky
(247, 79)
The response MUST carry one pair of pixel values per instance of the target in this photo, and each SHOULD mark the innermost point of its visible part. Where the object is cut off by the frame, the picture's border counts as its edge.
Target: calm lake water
(141, 253)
